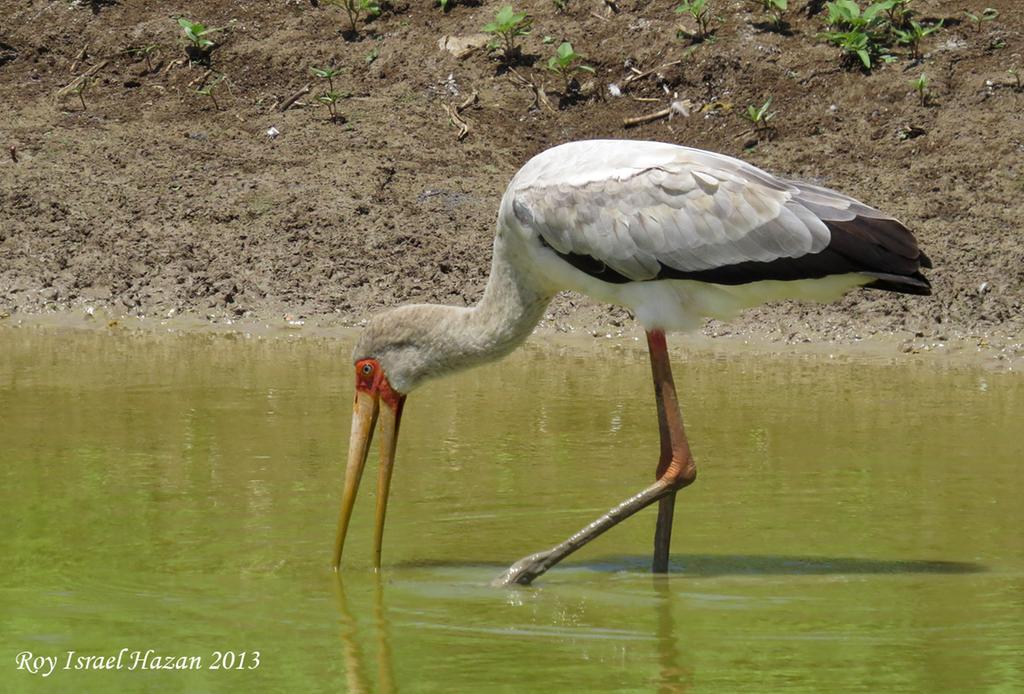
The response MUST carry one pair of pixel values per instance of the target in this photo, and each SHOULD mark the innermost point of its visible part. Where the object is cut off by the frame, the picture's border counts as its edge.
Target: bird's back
(617, 213)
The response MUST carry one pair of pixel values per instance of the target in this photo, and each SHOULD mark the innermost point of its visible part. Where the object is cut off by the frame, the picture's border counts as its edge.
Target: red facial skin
(370, 379)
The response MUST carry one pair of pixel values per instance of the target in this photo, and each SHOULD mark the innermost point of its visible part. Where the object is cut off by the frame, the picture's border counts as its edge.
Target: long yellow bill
(366, 412)
(388, 442)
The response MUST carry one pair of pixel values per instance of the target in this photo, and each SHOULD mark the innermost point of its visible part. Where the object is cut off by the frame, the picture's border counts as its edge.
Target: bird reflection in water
(357, 680)
(672, 677)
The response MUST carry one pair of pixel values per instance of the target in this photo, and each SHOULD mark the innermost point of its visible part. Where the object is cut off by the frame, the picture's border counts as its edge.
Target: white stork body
(673, 233)
(638, 208)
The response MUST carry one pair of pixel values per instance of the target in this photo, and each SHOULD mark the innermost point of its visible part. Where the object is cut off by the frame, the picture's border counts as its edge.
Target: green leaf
(506, 17)
(865, 57)
(842, 11)
(873, 11)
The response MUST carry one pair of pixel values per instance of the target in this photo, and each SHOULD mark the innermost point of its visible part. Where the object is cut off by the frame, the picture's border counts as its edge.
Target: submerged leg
(675, 470)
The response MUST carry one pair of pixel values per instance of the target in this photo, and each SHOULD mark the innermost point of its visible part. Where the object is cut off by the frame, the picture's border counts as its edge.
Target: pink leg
(676, 465)
(676, 469)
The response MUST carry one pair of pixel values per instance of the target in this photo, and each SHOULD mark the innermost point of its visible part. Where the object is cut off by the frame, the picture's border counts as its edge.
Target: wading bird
(674, 234)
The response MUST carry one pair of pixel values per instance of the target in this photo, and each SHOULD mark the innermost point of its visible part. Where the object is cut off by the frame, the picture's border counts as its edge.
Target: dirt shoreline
(152, 202)
(880, 348)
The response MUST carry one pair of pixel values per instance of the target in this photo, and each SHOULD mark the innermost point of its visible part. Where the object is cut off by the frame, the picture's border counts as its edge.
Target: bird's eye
(367, 369)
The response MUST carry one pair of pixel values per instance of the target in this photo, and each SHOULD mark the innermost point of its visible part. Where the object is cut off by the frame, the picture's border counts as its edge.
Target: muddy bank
(955, 353)
(153, 200)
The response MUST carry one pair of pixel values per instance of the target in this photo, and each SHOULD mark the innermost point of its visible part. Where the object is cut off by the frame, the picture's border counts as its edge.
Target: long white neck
(512, 305)
(422, 341)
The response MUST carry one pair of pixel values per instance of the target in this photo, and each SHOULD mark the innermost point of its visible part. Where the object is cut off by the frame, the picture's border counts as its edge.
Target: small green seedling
(207, 90)
(198, 36)
(326, 73)
(330, 100)
(372, 55)
(445, 4)
(913, 35)
(859, 33)
(920, 85)
(899, 13)
(847, 14)
(146, 53)
(508, 27)
(986, 15)
(759, 117)
(852, 42)
(701, 13)
(566, 62)
(776, 10)
(355, 9)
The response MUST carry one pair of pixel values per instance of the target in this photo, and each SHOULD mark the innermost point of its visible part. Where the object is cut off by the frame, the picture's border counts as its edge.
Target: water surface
(855, 526)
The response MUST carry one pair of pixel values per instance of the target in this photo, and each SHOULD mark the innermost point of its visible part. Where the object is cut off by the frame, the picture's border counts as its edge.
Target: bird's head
(404, 343)
(396, 351)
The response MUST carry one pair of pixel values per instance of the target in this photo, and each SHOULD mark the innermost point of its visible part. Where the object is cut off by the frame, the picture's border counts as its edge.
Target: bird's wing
(710, 217)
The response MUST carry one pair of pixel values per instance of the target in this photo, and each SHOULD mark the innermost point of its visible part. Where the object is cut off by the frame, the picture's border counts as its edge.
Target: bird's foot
(525, 570)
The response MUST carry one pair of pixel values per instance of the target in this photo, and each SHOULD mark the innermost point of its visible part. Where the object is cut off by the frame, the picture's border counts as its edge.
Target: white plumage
(645, 210)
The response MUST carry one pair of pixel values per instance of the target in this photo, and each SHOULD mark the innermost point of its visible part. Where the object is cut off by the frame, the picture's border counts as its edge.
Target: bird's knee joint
(680, 473)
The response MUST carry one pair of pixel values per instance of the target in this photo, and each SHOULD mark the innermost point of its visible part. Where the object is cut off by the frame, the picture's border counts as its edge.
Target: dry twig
(540, 97)
(78, 59)
(290, 101)
(74, 84)
(201, 79)
(681, 108)
(647, 118)
(456, 117)
(637, 75)
(179, 62)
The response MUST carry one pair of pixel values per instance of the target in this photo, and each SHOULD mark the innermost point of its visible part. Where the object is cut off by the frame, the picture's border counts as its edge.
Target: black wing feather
(882, 248)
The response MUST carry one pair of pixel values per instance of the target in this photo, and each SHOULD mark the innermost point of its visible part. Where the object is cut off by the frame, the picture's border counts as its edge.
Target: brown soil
(152, 201)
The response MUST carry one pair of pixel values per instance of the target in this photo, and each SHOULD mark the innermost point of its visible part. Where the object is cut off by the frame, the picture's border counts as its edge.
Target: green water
(855, 527)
